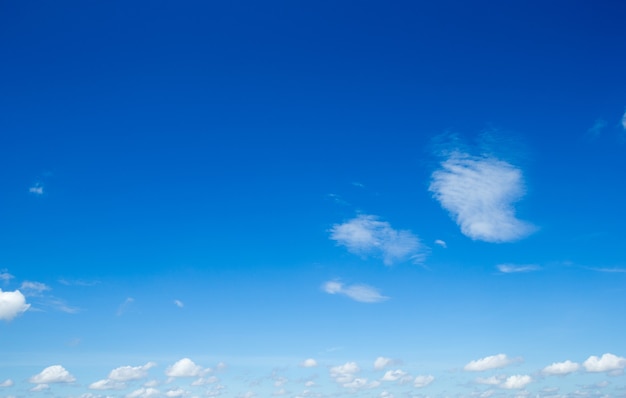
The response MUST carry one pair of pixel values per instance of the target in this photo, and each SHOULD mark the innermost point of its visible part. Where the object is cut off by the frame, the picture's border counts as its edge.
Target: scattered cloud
(179, 303)
(124, 306)
(7, 383)
(595, 130)
(606, 363)
(361, 293)
(178, 392)
(516, 382)
(5, 276)
(52, 374)
(107, 384)
(12, 304)
(491, 380)
(127, 373)
(36, 189)
(561, 368)
(366, 235)
(77, 282)
(479, 193)
(423, 381)
(144, 393)
(345, 373)
(441, 243)
(490, 362)
(358, 184)
(40, 387)
(34, 288)
(382, 362)
(393, 375)
(184, 368)
(202, 381)
(308, 363)
(514, 269)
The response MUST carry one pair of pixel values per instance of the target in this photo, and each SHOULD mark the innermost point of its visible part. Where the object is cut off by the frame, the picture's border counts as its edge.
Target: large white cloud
(184, 368)
(423, 381)
(561, 368)
(479, 193)
(606, 363)
(53, 374)
(486, 363)
(367, 235)
(361, 293)
(516, 382)
(12, 304)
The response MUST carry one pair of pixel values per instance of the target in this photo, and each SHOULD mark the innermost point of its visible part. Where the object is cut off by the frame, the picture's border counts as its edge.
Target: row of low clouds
(347, 376)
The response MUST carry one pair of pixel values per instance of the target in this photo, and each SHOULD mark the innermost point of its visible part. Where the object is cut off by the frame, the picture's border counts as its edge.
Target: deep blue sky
(290, 172)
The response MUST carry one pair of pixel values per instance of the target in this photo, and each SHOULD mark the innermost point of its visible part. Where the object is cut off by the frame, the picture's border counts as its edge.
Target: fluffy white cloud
(7, 383)
(393, 375)
(561, 368)
(516, 382)
(490, 362)
(107, 384)
(607, 363)
(344, 373)
(12, 304)
(512, 268)
(184, 368)
(179, 392)
(423, 381)
(52, 374)
(308, 363)
(144, 393)
(367, 235)
(479, 192)
(382, 362)
(127, 373)
(361, 293)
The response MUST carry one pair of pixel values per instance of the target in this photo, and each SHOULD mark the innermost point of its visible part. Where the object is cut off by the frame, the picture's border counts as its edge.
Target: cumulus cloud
(479, 193)
(344, 373)
(7, 383)
(512, 268)
(393, 375)
(12, 304)
(52, 374)
(144, 393)
(127, 373)
(178, 392)
(308, 363)
(107, 384)
(516, 382)
(561, 368)
(423, 381)
(606, 363)
(360, 292)
(382, 362)
(184, 368)
(366, 235)
(490, 362)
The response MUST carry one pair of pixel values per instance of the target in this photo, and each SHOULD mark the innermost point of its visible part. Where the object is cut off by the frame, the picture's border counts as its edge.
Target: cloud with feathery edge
(366, 235)
(360, 293)
(479, 193)
(516, 269)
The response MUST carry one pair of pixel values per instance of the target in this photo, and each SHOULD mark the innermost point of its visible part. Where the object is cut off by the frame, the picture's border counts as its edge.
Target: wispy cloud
(512, 268)
(179, 303)
(124, 306)
(366, 235)
(441, 243)
(36, 189)
(34, 288)
(5, 276)
(624, 120)
(479, 193)
(361, 293)
(595, 130)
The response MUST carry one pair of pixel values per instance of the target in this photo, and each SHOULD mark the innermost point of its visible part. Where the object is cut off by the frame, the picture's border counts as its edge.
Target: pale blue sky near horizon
(312, 199)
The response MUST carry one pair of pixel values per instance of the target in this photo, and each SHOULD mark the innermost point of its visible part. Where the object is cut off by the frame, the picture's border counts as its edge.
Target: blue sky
(312, 199)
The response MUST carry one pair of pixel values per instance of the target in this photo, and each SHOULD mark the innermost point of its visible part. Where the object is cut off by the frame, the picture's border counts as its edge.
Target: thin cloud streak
(360, 293)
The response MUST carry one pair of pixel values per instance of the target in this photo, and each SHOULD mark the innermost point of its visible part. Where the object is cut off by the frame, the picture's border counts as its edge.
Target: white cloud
(441, 243)
(122, 308)
(179, 392)
(423, 381)
(393, 375)
(127, 373)
(179, 303)
(107, 384)
(366, 235)
(607, 363)
(561, 368)
(512, 268)
(361, 293)
(144, 393)
(381, 362)
(40, 387)
(7, 383)
(479, 192)
(12, 304)
(202, 381)
(344, 373)
(36, 189)
(308, 363)
(184, 368)
(34, 288)
(516, 382)
(490, 362)
(5, 276)
(490, 381)
(52, 374)
(360, 384)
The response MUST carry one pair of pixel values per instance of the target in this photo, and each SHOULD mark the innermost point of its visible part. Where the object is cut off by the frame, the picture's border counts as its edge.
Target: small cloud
(607, 270)
(179, 303)
(107, 384)
(5, 276)
(597, 128)
(480, 193)
(40, 387)
(52, 374)
(337, 199)
(393, 375)
(6, 383)
(184, 368)
(36, 189)
(122, 308)
(361, 293)
(358, 184)
(561, 368)
(624, 121)
(382, 362)
(491, 380)
(308, 363)
(344, 373)
(77, 282)
(514, 269)
(516, 382)
(366, 235)
(12, 304)
(34, 288)
(423, 381)
(490, 362)
(144, 393)
(441, 243)
(127, 373)
(607, 363)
